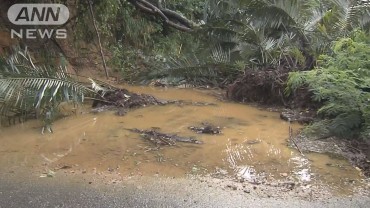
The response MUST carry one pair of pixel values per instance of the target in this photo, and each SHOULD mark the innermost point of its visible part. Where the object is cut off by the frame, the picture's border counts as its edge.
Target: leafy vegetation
(248, 35)
(27, 89)
(341, 81)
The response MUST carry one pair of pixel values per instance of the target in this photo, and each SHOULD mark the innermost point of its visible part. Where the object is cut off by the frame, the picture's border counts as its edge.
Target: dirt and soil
(267, 87)
(356, 151)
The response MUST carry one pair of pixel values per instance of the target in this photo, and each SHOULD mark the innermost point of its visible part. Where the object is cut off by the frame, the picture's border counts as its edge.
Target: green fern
(295, 80)
(318, 129)
(346, 125)
(340, 82)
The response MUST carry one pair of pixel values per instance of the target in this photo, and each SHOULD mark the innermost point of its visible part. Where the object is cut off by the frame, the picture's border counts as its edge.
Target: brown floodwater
(253, 143)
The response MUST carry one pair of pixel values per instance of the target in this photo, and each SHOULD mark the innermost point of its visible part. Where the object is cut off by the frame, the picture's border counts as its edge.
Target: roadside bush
(341, 81)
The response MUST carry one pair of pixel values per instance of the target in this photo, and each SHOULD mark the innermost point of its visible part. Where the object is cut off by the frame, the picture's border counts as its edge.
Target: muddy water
(252, 144)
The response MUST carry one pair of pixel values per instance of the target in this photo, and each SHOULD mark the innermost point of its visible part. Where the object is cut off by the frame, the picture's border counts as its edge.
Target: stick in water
(292, 139)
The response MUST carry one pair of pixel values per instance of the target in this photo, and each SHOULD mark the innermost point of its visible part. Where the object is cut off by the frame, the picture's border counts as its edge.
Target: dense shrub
(341, 81)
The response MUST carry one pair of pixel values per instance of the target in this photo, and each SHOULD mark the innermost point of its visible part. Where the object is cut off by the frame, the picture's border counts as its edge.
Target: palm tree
(273, 33)
(26, 88)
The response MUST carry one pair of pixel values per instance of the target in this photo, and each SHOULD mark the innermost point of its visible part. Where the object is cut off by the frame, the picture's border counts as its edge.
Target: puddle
(252, 143)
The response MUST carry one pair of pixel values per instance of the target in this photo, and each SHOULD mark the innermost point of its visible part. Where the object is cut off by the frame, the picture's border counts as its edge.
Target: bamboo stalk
(97, 33)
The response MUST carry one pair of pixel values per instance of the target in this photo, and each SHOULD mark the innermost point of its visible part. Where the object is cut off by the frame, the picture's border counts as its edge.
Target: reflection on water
(252, 144)
(248, 173)
(302, 168)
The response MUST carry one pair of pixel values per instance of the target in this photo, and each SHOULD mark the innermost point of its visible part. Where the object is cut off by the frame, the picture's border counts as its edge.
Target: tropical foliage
(27, 89)
(341, 81)
(144, 45)
(256, 34)
(273, 33)
(263, 34)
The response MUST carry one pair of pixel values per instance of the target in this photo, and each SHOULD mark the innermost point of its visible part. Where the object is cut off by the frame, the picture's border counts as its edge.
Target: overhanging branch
(169, 17)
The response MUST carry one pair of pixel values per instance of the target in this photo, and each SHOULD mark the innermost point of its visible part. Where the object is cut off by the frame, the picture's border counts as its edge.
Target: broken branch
(169, 17)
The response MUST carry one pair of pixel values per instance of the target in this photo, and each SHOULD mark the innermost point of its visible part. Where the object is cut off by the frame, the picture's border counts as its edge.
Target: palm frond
(220, 56)
(279, 12)
(201, 71)
(349, 13)
(26, 87)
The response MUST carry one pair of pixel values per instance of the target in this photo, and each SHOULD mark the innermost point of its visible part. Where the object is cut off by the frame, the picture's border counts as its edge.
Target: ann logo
(44, 15)
(38, 14)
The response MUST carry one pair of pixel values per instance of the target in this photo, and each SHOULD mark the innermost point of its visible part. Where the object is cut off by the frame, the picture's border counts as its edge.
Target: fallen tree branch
(292, 139)
(159, 138)
(169, 17)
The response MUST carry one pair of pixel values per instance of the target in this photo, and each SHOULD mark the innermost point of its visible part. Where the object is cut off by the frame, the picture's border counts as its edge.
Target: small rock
(251, 142)
(284, 174)
(65, 167)
(232, 187)
(247, 191)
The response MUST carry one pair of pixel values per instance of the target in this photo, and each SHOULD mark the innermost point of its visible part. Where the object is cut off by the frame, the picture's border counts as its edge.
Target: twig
(292, 139)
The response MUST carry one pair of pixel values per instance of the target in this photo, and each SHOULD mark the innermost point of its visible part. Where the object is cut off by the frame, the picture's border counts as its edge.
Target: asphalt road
(69, 191)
